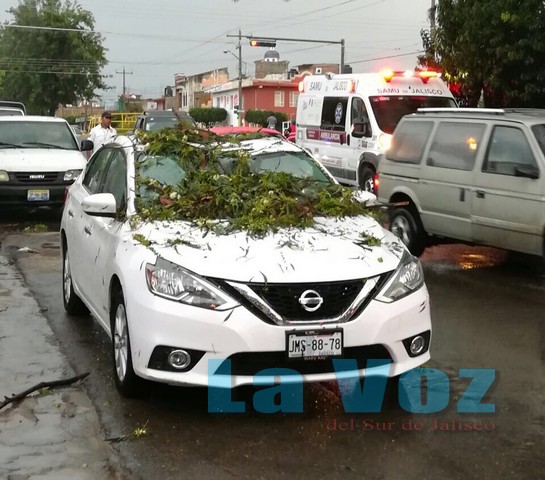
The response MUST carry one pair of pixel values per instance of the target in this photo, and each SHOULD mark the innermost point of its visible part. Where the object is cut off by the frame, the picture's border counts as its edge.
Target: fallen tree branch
(39, 386)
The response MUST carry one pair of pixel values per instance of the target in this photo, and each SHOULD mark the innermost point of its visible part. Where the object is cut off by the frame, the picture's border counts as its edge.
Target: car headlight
(4, 177)
(71, 175)
(408, 277)
(171, 281)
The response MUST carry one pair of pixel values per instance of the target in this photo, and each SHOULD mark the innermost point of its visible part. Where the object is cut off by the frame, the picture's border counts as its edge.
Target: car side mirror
(86, 145)
(100, 205)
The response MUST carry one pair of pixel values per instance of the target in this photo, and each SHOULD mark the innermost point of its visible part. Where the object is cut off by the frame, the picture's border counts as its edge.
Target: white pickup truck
(8, 108)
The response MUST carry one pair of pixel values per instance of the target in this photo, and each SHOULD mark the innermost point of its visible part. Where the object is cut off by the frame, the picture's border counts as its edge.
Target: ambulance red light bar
(424, 75)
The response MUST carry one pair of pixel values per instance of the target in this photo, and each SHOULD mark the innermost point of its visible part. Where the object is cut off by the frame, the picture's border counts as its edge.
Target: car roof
(527, 115)
(32, 118)
(165, 113)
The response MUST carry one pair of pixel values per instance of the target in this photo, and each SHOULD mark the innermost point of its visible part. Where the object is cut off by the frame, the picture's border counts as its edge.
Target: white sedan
(182, 303)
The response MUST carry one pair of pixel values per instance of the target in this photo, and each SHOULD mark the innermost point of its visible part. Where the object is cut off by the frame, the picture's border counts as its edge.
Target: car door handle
(87, 230)
(70, 213)
(480, 194)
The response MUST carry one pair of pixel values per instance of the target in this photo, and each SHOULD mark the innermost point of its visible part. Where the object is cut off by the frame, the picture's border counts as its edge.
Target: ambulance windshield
(388, 110)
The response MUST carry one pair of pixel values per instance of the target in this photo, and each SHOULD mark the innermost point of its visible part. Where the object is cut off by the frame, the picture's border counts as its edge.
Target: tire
(366, 179)
(127, 382)
(72, 303)
(409, 229)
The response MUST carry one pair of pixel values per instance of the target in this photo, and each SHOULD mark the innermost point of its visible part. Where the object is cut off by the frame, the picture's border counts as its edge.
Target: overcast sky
(155, 39)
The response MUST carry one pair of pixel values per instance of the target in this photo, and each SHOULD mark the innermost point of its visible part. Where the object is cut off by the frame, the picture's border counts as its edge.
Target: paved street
(487, 311)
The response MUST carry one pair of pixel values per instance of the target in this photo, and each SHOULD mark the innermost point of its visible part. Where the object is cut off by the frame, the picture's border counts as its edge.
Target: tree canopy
(491, 47)
(45, 67)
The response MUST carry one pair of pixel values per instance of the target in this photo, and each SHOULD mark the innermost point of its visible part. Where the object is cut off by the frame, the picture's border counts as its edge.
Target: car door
(447, 178)
(507, 204)
(105, 232)
(79, 233)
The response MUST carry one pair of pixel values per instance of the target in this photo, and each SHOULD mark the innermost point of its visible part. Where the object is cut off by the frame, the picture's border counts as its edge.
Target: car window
(95, 171)
(455, 145)
(539, 133)
(508, 149)
(334, 113)
(165, 170)
(409, 141)
(116, 178)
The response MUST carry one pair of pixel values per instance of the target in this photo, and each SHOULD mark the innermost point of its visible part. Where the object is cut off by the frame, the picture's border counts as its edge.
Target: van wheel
(72, 303)
(366, 179)
(409, 229)
(126, 381)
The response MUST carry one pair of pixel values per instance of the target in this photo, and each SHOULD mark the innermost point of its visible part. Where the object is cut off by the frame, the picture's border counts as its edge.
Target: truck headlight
(71, 175)
(408, 278)
(173, 282)
(4, 177)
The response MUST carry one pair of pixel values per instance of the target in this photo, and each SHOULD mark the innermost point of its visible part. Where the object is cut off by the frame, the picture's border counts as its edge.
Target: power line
(389, 56)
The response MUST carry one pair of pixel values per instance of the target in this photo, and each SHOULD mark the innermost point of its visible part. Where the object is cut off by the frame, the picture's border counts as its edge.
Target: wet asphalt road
(487, 312)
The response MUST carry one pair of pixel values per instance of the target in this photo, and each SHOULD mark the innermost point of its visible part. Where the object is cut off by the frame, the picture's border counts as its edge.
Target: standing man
(103, 133)
(271, 122)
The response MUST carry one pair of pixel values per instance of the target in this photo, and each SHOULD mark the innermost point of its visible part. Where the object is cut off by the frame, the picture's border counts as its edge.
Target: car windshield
(167, 171)
(388, 110)
(157, 123)
(54, 135)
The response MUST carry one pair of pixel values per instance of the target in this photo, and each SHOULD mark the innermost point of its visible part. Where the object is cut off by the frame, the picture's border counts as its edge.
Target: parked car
(152, 120)
(175, 295)
(470, 175)
(8, 108)
(39, 158)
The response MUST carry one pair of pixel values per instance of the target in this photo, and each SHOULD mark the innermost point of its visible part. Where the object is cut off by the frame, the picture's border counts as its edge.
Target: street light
(239, 58)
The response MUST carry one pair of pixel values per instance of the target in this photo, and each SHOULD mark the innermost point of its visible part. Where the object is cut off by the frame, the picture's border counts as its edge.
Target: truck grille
(37, 177)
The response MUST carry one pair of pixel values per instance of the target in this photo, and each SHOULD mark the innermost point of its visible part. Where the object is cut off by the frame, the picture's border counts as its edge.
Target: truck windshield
(388, 110)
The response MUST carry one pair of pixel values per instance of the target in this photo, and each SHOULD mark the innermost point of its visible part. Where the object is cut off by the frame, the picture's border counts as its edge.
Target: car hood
(334, 250)
(40, 159)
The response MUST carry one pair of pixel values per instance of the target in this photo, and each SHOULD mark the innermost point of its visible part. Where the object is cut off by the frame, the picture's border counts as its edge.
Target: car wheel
(366, 179)
(127, 382)
(404, 225)
(72, 303)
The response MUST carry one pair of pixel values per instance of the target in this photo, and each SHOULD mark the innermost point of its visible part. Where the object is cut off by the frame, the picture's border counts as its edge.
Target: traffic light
(262, 43)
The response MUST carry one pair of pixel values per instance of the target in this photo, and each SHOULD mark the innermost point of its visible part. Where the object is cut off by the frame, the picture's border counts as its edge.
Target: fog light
(417, 345)
(179, 359)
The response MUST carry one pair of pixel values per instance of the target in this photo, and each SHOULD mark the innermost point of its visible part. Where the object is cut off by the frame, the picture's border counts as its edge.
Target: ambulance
(346, 121)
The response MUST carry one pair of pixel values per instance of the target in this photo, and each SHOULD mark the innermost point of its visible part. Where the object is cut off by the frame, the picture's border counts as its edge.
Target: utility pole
(124, 88)
(432, 28)
(240, 103)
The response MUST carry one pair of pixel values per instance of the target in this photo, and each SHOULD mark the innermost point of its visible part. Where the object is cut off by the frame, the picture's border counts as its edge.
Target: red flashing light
(387, 74)
(424, 75)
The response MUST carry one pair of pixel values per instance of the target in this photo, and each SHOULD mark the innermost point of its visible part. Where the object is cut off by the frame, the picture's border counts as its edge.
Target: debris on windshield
(235, 199)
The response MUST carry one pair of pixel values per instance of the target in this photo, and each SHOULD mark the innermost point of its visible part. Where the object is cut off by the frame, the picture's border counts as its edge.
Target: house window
(279, 98)
(293, 98)
(184, 99)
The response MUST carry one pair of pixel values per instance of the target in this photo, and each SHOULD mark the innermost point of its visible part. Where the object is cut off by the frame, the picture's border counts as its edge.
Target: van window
(388, 110)
(334, 113)
(361, 126)
(508, 149)
(409, 141)
(539, 133)
(455, 145)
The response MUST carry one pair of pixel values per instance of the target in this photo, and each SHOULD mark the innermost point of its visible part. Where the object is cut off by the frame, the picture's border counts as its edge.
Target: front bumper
(18, 195)
(251, 344)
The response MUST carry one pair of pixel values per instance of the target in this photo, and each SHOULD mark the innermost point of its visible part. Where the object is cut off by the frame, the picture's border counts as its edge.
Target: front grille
(252, 362)
(284, 298)
(37, 177)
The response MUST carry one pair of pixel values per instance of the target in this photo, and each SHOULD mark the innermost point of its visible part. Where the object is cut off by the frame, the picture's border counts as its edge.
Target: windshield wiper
(10, 145)
(46, 145)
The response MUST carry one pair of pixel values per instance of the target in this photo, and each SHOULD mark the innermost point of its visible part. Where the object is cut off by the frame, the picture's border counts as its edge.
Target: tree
(209, 115)
(495, 48)
(259, 117)
(45, 67)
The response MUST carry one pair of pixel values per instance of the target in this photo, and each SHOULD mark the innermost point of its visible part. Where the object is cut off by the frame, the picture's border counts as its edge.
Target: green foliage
(238, 200)
(45, 68)
(493, 46)
(208, 116)
(259, 117)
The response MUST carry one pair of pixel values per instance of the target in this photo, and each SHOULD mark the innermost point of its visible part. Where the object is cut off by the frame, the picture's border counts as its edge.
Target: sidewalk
(51, 435)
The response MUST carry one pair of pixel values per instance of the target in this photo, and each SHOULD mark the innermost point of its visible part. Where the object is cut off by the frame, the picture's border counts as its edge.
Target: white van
(346, 121)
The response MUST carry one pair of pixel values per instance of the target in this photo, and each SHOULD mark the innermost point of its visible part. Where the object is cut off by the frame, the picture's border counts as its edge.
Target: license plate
(312, 345)
(37, 195)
